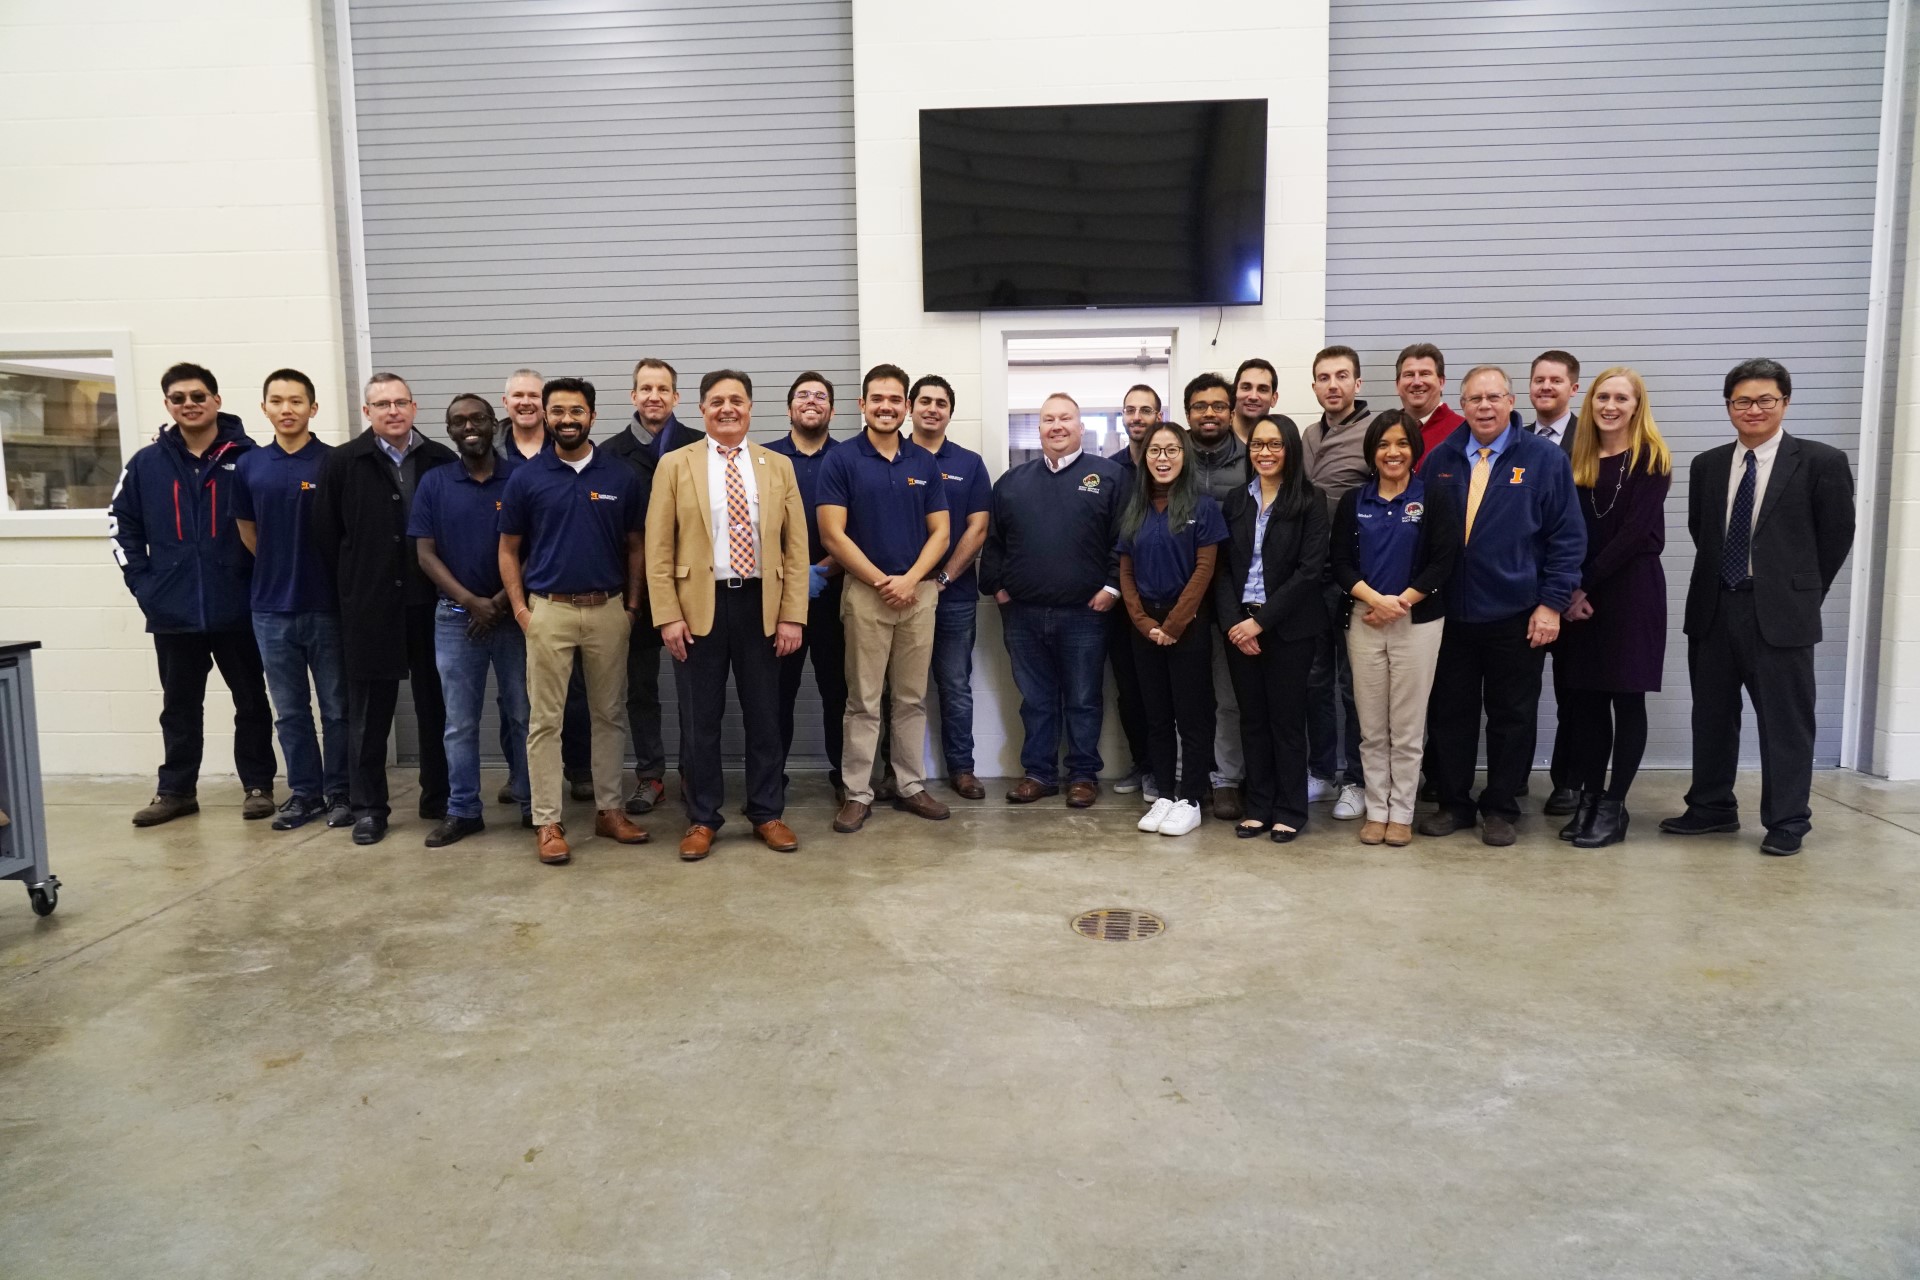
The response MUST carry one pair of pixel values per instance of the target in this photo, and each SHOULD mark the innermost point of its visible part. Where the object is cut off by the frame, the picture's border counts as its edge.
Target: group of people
(1291, 616)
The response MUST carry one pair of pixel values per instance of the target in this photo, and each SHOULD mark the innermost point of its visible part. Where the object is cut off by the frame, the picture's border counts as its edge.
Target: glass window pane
(59, 431)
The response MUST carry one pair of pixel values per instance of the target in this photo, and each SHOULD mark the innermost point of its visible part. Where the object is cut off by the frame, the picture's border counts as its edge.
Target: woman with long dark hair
(1267, 593)
(1170, 533)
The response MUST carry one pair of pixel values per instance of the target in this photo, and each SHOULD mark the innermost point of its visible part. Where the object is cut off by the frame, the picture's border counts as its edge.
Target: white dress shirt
(1064, 463)
(717, 504)
(1763, 457)
(1556, 430)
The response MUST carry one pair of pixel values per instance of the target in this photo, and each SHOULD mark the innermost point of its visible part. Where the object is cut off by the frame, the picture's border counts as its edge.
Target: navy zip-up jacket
(1528, 538)
(174, 536)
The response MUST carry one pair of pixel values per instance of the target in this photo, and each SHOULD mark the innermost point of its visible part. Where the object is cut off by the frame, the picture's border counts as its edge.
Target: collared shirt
(1062, 464)
(276, 490)
(1164, 558)
(1556, 430)
(508, 446)
(722, 525)
(887, 503)
(963, 476)
(462, 516)
(574, 523)
(1763, 457)
(1255, 592)
(397, 456)
(1389, 534)
(1473, 447)
(806, 473)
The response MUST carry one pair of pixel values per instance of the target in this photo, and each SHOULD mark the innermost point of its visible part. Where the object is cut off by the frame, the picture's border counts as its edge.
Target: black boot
(1582, 816)
(1607, 826)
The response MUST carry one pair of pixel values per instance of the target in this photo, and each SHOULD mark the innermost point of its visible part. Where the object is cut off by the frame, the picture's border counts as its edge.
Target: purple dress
(1623, 646)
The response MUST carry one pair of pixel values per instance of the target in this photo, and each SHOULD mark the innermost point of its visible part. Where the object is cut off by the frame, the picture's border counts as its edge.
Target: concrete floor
(236, 1053)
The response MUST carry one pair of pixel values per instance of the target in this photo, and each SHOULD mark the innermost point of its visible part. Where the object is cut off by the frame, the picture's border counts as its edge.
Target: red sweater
(1438, 428)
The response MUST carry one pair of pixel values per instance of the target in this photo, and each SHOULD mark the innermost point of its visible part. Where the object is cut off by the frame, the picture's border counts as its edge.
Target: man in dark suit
(1552, 384)
(652, 430)
(386, 602)
(1772, 522)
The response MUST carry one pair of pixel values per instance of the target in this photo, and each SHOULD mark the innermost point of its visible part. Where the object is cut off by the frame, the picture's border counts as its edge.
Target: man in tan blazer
(727, 578)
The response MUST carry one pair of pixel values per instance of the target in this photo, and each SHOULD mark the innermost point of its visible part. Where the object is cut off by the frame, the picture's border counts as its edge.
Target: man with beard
(806, 447)
(1255, 388)
(570, 556)
(1220, 461)
(454, 525)
(1138, 413)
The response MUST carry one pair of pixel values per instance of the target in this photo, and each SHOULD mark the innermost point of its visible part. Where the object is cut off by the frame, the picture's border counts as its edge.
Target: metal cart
(23, 841)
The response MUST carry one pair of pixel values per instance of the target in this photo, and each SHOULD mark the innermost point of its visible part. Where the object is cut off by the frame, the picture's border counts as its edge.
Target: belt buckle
(734, 584)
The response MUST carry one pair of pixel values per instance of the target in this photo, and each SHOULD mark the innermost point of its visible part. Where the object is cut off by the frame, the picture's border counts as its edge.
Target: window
(62, 441)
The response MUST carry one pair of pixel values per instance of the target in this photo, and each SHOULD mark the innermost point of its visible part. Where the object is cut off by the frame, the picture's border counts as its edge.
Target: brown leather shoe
(553, 848)
(1226, 804)
(615, 824)
(1373, 832)
(777, 836)
(921, 804)
(696, 844)
(852, 817)
(1026, 791)
(1399, 834)
(1081, 795)
(967, 787)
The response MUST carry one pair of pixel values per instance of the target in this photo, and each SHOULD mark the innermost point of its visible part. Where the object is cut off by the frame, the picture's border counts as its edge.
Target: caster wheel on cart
(44, 897)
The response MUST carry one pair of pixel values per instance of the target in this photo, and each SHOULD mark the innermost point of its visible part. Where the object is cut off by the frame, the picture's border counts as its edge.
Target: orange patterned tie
(1477, 490)
(739, 517)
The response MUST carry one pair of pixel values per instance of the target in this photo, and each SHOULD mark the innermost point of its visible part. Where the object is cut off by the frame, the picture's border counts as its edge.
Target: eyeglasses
(1266, 446)
(483, 417)
(1769, 403)
(817, 397)
(1213, 406)
(569, 413)
(1164, 451)
(385, 406)
(1495, 398)
(181, 397)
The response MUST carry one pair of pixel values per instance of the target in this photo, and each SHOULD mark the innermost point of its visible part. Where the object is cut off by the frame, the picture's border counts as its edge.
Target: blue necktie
(1733, 560)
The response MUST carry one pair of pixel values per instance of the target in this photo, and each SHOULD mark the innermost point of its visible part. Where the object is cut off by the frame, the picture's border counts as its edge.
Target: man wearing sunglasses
(179, 549)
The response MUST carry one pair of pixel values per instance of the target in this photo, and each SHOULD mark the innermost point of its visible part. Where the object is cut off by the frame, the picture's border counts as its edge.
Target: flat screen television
(1135, 204)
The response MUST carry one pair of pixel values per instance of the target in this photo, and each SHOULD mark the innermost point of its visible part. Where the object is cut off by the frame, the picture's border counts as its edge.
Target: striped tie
(739, 517)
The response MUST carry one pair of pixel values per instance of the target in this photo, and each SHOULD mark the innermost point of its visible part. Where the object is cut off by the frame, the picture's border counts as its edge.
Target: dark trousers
(185, 658)
(643, 703)
(1605, 728)
(1567, 756)
(1333, 722)
(1730, 657)
(950, 671)
(1272, 691)
(370, 705)
(1055, 651)
(1490, 667)
(1126, 683)
(826, 644)
(738, 644)
(1175, 683)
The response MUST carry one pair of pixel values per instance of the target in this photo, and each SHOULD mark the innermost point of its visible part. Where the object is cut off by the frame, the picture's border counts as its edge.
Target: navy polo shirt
(277, 490)
(1389, 535)
(887, 502)
(462, 516)
(806, 471)
(1163, 558)
(575, 524)
(963, 476)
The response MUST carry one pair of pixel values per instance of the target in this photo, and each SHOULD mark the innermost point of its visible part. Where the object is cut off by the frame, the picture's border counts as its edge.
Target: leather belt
(1739, 588)
(736, 584)
(580, 597)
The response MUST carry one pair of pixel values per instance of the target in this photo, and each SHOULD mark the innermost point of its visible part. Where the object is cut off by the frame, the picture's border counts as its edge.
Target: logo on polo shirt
(309, 484)
(1411, 513)
(594, 495)
(1090, 482)
(948, 475)
(1518, 474)
(497, 504)
(914, 480)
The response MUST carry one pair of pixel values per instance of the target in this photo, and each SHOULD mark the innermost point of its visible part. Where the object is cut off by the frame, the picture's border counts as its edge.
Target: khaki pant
(599, 632)
(886, 648)
(1392, 677)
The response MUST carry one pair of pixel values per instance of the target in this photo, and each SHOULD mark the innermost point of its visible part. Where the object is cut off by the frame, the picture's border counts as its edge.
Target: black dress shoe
(433, 812)
(1441, 822)
(580, 788)
(369, 830)
(1583, 812)
(1496, 830)
(1780, 844)
(1692, 823)
(1562, 802)
(1608, 825)
(339, 812)
(452, 830)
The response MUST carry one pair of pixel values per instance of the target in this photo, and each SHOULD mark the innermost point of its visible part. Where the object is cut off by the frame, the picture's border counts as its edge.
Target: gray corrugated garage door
(1672, 187)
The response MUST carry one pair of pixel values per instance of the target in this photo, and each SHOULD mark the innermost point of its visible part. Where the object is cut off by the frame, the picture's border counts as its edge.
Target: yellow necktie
(1477, 489)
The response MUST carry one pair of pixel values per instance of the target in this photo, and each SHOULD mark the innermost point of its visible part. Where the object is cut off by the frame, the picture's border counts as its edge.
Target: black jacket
(174, 537)
(642, 458)
(1434, 550)
(1291, 561)
(360, 527)
(1802, 537)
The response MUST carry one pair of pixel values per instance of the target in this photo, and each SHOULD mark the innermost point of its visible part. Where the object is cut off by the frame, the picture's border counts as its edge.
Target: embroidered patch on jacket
(1519, 473)
(1090, 482)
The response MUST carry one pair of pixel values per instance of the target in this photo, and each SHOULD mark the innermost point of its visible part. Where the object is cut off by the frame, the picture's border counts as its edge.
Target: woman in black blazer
(1272, 614)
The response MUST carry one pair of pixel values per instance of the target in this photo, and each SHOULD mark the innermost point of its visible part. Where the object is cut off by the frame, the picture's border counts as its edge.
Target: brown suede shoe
(922, 805)
(967, 787)
(1026, 791)
(696, 844)
(852, 817)
(553, 845)
(1373, 832)
(616, 824)
(777, 836)
(1081, 795)
(1399, 834)
(1226, 804)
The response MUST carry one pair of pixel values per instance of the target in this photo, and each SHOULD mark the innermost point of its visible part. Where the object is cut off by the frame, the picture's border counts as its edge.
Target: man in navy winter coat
(174, 538)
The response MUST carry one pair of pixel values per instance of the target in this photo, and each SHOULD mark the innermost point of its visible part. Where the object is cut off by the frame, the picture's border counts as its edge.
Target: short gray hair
(535, 374)
(1479, 369)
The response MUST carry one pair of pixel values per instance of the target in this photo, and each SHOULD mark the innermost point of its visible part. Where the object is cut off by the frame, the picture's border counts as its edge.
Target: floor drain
(1118, 924)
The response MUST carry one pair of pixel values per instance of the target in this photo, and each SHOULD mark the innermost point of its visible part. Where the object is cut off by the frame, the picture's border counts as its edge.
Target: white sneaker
(1151, 820)
(1183, 818)
(1149, 786)
(1351, 804)
(1318, 788)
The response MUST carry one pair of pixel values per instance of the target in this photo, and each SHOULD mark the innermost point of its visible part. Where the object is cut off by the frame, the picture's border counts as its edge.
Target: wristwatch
(942, 578)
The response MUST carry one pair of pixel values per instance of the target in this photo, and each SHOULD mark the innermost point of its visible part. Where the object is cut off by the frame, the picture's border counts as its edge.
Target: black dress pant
(738, 644)
(1730, 657)
(1568, 760)
(826, 642)
(1126, 682)
(643, 702)
(1490, 667)
(185, 659)
(370, 706)
(1272, 691)
(1175, 683)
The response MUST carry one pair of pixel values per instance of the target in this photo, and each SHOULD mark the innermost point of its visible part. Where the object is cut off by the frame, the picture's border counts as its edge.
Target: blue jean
(952, 672)
(463, 664)
(1057, 653)
(291, 646)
